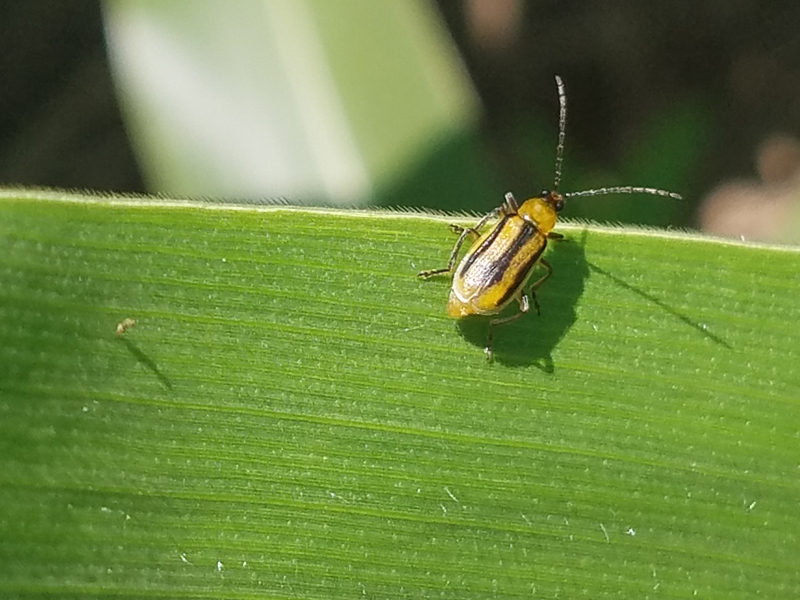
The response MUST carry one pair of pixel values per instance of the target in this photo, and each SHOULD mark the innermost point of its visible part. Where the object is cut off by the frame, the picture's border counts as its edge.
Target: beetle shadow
(530, 340)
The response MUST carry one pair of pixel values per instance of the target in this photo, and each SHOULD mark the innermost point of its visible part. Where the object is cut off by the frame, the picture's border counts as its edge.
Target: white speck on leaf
(449, 493)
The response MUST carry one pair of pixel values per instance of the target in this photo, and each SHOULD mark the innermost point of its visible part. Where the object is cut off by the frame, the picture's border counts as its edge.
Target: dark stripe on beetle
(501, 264)
(525, 270)
(486, 243)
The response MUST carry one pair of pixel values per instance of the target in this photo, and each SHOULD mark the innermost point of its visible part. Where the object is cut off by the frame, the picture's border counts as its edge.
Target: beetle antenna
(562, 127)
(627, 189)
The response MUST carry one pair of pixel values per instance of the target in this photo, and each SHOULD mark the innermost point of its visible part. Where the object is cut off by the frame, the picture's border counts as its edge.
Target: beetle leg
(458, 230)
(524, 307)
(464, 232)
(555, 236)
(538, 283)
(453, 256)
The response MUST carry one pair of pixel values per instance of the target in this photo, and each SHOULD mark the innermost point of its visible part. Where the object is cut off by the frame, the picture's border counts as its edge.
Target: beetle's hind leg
(524, 307)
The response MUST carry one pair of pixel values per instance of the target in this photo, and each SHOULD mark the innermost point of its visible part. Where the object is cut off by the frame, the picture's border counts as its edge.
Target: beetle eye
(545, 193)
(559, 205)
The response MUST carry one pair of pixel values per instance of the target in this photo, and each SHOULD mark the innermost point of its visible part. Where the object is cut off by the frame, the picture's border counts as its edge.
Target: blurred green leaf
(306, 99)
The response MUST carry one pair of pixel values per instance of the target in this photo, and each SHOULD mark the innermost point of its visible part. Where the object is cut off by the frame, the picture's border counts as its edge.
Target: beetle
(500, 262)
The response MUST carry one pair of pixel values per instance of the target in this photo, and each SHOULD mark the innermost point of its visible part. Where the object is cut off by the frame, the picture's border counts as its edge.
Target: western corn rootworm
(499, 263)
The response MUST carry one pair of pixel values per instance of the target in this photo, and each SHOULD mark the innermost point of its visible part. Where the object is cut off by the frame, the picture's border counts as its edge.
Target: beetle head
(542, 211)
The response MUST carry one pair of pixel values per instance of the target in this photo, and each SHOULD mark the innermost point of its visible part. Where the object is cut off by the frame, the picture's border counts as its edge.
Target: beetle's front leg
(464, 233)
(524, 307)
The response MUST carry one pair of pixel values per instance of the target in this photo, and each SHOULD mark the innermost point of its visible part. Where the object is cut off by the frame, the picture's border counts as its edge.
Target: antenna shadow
(685, 319)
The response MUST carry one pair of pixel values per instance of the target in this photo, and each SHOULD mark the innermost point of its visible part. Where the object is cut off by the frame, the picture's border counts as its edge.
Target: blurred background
(441, 104)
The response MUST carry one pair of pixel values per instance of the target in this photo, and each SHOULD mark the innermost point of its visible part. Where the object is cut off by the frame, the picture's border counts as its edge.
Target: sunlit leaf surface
(294, 416)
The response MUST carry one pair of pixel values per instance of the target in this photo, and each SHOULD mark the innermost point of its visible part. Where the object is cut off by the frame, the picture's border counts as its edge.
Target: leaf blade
(319, 425)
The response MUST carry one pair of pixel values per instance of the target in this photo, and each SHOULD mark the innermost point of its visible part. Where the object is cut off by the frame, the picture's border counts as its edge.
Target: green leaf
(306, 99)
(294, 416)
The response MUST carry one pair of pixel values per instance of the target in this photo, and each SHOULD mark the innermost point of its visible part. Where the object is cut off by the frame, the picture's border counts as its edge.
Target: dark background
(59, 121)
(698, 85)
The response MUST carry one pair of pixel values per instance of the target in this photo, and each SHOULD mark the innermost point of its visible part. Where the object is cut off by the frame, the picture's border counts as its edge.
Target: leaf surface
(294, 416)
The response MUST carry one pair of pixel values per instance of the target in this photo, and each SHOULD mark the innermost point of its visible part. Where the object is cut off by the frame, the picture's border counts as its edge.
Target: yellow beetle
(500, 262)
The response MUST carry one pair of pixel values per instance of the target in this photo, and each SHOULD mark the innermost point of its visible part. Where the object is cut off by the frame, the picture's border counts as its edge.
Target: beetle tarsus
(459, 230)
(488, 351)
(432, 272)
